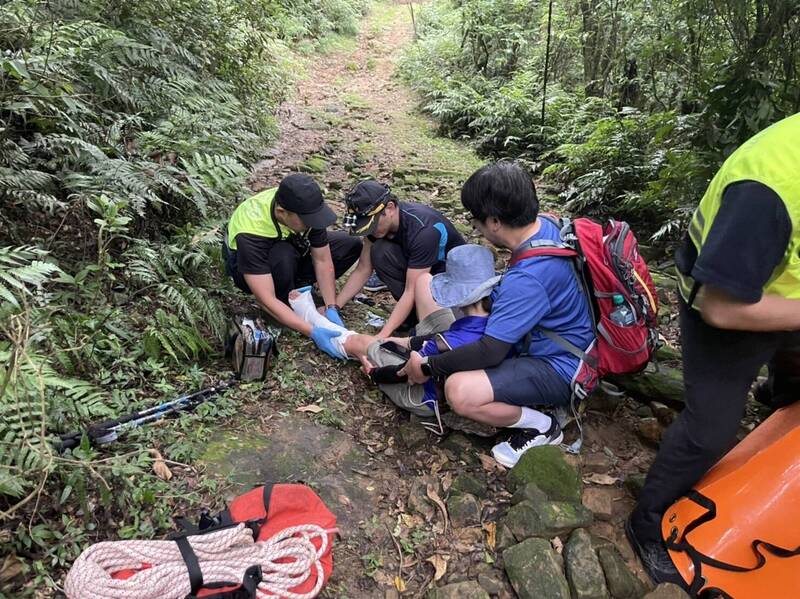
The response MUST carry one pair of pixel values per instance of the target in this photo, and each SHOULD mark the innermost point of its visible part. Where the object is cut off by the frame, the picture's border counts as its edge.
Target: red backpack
(607, 262)
(267, 511)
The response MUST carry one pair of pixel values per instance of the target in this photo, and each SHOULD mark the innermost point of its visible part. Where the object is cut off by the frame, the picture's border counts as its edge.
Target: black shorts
(528, 381)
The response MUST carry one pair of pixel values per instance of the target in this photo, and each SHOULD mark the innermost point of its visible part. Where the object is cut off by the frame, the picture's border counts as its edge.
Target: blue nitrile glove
(333, 315)
(322, 337)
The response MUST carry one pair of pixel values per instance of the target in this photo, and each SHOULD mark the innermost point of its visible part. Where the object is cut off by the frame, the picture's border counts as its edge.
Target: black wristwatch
(425, 367)
(335, 307)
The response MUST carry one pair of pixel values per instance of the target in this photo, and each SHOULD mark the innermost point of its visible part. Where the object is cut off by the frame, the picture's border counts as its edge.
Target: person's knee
(422, 287)
(352, 247)
(378, 252)
(345, 251)
(456, 391)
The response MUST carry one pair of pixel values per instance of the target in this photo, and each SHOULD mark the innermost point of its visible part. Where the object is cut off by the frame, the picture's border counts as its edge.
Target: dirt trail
(351, 118)
(318, 421)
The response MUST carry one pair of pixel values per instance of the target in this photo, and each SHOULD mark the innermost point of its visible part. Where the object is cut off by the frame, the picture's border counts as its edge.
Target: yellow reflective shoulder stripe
(696, 227)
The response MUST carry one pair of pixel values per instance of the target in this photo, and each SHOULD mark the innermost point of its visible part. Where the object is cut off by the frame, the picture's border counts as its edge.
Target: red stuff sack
(267, 511)
(607, 262)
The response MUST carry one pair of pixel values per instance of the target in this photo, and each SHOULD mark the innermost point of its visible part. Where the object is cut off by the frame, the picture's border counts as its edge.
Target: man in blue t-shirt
(535, 294)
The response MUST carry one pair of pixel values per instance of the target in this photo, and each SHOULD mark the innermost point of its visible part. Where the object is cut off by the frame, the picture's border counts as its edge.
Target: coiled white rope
(223, 557)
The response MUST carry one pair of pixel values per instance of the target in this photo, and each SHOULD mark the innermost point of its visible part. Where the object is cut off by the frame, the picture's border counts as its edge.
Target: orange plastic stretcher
(737, 533)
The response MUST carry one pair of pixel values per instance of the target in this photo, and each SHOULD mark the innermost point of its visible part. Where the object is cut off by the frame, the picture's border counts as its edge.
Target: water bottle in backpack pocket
(621, 315)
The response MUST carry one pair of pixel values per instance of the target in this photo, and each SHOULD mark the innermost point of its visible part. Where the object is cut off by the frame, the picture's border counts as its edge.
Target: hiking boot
(653, 555)
(374, 283)
(509, 452)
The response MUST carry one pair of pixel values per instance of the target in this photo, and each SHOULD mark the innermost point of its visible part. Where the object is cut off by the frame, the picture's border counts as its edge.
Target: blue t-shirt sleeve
(520, 303)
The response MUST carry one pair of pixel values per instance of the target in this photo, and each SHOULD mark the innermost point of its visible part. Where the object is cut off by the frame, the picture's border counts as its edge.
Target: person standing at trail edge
(739, 282)
(277, 241)
(404, 240)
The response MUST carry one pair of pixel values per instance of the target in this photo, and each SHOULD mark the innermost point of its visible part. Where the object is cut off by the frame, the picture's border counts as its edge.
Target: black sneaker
(654, 557)
(509, 452)
(374, 283)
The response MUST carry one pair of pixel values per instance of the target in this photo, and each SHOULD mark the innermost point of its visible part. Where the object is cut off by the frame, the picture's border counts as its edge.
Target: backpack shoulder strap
(568, 346)
(542, 250)
(545, 247)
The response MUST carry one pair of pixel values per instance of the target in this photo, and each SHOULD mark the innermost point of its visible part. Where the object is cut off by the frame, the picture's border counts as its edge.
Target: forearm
(771, 313)
(353, 285)
(401, 311)
(486, 352)
(326, 279)
(264, 292)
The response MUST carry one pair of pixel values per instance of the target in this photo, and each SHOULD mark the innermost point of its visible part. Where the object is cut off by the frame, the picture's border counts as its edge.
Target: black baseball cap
(365, 202)
(300, 194)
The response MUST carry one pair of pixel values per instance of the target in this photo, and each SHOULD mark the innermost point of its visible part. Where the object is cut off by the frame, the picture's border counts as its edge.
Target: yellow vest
(771, 157)
(254, 216)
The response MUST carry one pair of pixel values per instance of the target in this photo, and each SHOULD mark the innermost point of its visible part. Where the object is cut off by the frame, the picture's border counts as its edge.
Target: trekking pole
(109, 430)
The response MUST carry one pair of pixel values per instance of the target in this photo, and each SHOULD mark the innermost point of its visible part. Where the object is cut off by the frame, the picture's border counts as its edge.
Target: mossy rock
(469, 589)
(584, 573)
(464, 510)
(529, 492)
(622, 583)
(549, 470)
(534, 570)
(466, 483)
(664, 385)
(546, 519)
(313, 164)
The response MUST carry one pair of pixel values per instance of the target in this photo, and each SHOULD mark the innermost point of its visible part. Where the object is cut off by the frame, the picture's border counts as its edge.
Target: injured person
(466, 286)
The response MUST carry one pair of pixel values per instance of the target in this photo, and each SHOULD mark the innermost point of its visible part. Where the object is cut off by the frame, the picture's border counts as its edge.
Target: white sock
(531, 418)
(303, 306)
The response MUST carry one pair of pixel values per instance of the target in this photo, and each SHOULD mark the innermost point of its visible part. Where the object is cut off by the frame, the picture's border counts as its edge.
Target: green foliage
(644, 100)
(127, 130)
(642, 168)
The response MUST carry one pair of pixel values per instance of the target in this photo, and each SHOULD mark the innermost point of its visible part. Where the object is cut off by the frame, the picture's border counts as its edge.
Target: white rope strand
(223, 556)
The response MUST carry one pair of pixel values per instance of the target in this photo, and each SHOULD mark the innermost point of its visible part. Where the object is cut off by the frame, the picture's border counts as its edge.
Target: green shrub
(126, 132)
(643, 168)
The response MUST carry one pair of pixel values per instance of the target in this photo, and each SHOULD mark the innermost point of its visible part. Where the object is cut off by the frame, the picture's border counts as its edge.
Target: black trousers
(291, 269)
(391, 265)
(719, 367)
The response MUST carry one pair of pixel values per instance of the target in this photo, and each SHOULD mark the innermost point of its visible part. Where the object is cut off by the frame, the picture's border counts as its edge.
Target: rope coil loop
(287, 559)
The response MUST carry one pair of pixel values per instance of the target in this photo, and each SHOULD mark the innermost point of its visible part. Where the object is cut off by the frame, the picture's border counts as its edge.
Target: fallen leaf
(399, 584)
(471, 535)
(410, 521)
(491, 534)
(430, 491)
(489, 463)
(557, 544)
(159, 465)
(11, 567)
(447, 481)
(312, 409)
(439, 565)
(598, 478)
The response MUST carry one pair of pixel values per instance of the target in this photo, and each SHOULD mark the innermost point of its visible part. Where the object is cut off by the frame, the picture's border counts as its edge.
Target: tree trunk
(590, 47)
